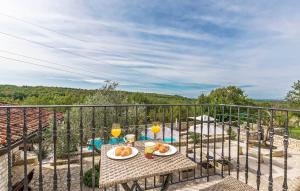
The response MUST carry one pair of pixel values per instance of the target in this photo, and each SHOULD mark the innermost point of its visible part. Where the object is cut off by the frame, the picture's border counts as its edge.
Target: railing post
(136, 121)
(215, 136)
(8, 141)
(81, 145)
(229, 141)
(164, 122)
(195, 136)
(105, 129)
(179, 121)
(25, 149)
(238, 146)
(247, 147)
(93, 150)
(223, 140)
(187, 131)
(68, 149)
(40, 135)
(201, 141)
(258, 172)
(271, 134)
(54, 136)
(207, 144)
(285, 143)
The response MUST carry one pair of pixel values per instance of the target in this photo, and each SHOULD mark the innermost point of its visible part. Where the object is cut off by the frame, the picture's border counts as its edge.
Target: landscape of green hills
(36, 95)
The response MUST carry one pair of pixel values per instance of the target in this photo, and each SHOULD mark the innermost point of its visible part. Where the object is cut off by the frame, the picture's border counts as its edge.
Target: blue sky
(175, 47)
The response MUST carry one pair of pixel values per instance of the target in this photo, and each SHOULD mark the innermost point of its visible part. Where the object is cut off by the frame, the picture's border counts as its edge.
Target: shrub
(88, 177)
(195, 137)
(233, 134)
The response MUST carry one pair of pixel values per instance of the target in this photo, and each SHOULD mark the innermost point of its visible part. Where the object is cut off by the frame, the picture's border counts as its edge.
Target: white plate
(172, 150)
(111, 154)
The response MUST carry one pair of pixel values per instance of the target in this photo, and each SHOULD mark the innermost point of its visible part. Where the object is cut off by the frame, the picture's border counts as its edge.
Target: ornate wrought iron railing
(215, 139)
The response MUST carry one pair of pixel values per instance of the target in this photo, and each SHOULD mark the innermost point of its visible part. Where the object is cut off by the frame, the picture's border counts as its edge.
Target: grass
(294, 132)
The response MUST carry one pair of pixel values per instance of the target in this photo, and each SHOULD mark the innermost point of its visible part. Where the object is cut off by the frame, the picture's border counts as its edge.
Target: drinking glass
(116, 131)
(149, 149)
(155, 128)
(130, 138)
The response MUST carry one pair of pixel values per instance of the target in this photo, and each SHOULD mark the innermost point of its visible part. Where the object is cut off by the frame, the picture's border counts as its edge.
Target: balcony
(59, 144)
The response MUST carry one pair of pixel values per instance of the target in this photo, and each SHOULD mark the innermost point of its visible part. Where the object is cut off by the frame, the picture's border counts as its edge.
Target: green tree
(105, 116)
(229, 95)
(293, 96)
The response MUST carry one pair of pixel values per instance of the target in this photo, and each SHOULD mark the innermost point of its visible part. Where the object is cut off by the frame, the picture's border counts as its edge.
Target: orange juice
(116, 132)
(155, 129)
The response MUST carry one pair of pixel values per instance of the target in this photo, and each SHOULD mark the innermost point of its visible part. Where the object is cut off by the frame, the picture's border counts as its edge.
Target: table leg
(166, 183)
(135, 187)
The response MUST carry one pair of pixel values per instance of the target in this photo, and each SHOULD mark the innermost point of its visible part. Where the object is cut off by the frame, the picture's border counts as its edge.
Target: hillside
(32, 95)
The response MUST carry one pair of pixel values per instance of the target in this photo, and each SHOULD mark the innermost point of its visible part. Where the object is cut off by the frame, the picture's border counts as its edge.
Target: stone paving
(293, 172)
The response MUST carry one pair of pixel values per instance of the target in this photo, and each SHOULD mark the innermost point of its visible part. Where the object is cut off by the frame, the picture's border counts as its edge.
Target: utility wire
(48, 46)
(43, 60)
(51, 30)
(42, 27)
(44, 66)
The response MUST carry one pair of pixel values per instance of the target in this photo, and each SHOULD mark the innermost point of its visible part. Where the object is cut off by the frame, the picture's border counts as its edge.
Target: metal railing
(83, 122)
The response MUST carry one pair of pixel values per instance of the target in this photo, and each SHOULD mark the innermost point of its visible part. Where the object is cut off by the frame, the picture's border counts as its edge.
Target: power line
(48, 46)
(44, 66)
(42, 27)
(43, 60)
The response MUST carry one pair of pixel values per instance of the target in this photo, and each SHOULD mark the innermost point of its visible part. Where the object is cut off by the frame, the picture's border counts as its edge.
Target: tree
(226, 95)
(105, 116)
(293, 96)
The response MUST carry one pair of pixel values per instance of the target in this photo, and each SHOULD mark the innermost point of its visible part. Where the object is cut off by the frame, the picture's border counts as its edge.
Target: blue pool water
(166, 140)
(143, 138)
(98, 142)
(169, 140)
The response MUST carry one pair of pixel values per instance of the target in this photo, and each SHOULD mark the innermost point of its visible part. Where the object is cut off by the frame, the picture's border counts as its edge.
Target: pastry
(123, 151)
(118, 151)
(157, 146)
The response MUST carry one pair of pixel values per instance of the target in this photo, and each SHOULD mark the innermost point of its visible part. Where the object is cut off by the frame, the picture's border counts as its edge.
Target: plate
(171, 151)
(111, 154)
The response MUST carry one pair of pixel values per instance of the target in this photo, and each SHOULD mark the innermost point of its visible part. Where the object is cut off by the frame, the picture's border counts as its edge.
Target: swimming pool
(98, 142)
(166, 139)
(169, 140)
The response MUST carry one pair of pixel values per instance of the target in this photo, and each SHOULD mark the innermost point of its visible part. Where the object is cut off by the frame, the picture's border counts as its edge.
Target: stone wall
(294, 144)
(3, 172)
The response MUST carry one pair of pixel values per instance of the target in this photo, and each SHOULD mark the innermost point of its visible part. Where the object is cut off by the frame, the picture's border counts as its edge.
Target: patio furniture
(114, 172)
(229, 184)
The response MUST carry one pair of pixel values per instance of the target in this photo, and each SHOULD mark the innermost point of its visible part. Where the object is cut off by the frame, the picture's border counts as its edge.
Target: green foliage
(88, 177)
(61, 143)
(195, 137)
(108, 95)
(29, 95)
(226, 95)
(232, 134)
(40, 95)
(293, 96)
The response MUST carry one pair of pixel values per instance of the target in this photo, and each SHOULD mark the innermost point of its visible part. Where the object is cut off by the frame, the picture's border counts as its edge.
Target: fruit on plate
(162, 148)
(123, 151)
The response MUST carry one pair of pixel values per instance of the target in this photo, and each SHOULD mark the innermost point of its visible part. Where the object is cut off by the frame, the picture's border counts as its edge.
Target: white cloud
(232, 43)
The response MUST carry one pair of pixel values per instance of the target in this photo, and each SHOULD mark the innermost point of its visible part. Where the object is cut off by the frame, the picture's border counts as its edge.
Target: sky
(181, 47)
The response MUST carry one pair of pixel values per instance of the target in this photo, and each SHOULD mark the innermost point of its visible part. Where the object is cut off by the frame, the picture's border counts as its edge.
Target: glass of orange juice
(155, 128)
(116, 130)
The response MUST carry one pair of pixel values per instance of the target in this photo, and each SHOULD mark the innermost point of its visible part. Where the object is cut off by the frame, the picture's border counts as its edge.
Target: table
(113, 172)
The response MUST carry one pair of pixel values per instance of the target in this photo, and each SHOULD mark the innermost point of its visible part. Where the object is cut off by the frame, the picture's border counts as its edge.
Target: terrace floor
(293, 175)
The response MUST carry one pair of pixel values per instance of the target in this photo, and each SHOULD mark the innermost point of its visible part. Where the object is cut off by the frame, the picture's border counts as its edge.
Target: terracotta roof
(17, 122)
